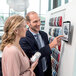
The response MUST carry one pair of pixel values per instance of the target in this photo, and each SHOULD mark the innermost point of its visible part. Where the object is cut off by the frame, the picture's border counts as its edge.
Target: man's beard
(34, 28)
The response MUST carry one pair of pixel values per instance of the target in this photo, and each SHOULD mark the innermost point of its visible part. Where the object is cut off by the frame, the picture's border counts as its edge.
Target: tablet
(66, 30)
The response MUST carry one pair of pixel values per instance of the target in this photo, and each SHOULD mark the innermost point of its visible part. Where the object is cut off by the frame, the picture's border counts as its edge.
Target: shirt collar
(33, 32)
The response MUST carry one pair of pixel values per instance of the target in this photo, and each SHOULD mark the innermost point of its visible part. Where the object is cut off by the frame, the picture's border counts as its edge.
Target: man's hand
(56, 41)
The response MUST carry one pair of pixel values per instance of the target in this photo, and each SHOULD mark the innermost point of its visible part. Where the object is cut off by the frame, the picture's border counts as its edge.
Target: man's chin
(38, 30)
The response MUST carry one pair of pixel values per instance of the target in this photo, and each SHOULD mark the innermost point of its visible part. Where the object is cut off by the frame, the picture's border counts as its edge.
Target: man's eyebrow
(36, 20)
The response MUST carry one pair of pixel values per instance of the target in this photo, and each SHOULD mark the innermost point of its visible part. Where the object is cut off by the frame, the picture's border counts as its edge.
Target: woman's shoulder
(10, 53)
(10, 49)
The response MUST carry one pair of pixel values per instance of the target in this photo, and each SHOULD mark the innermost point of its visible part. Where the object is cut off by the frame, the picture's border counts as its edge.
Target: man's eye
(35, 21)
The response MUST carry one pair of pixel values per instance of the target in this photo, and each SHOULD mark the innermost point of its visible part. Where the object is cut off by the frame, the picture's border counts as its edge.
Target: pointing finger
(60, 36)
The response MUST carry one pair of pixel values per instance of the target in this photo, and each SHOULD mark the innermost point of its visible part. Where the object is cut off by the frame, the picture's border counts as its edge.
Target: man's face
(34, 23)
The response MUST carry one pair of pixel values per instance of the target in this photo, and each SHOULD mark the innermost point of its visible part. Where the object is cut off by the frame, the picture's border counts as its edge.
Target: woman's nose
(26, 29)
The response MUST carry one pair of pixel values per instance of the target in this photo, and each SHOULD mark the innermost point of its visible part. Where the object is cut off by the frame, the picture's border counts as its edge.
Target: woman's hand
(34, 64)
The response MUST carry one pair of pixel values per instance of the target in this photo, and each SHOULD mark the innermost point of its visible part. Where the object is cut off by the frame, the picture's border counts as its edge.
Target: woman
(14, 61)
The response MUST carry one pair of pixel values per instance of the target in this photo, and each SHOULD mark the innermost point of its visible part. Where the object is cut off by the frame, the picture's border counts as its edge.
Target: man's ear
(28, 23)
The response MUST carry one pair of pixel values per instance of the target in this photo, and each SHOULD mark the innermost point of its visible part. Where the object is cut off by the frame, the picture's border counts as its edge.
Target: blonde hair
(10, 25)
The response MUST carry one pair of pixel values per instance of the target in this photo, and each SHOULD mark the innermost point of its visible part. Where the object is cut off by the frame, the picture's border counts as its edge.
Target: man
(30, 44)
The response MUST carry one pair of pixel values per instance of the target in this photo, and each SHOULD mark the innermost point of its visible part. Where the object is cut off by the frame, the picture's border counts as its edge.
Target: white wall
(68, 57)
(67, 66)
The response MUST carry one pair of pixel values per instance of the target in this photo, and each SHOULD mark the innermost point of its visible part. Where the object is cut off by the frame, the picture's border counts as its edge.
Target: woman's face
(22, 30)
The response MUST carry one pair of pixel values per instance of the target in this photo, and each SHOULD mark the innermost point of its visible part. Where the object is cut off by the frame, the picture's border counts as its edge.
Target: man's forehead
(34, 17)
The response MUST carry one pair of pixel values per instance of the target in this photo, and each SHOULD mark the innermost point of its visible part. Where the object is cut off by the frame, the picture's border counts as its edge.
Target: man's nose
(38, 23)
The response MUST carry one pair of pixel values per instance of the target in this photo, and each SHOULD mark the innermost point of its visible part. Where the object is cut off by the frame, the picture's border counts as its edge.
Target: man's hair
(28, 15)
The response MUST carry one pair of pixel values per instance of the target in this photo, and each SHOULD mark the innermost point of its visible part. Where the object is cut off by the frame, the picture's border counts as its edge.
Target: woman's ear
(16, 31)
